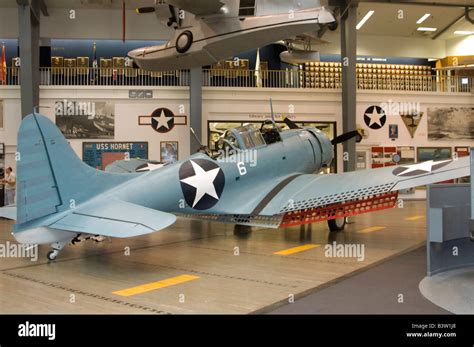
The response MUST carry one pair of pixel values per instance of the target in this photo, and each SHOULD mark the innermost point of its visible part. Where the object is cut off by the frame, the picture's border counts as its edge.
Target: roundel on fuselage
(202, 182)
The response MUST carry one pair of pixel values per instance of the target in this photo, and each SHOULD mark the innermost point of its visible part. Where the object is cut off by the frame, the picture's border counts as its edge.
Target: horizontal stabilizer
(115, 218)
(8, 212)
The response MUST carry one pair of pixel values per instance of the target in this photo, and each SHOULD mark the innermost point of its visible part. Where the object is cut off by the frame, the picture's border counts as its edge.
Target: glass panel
(247, 140)
(257, 138)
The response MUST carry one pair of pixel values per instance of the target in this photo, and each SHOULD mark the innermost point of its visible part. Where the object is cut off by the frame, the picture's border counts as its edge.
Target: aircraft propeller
(346, 137)
(174, 12)
(338, 139)
(291, 124)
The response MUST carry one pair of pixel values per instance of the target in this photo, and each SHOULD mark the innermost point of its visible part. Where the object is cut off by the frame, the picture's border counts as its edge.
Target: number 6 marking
(242, 168)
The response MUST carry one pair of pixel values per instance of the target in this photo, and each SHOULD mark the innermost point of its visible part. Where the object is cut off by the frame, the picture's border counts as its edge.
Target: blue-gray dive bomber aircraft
(59, 197)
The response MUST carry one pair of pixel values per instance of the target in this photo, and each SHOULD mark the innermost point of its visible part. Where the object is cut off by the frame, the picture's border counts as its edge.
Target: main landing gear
(242, 230)
(337, 224)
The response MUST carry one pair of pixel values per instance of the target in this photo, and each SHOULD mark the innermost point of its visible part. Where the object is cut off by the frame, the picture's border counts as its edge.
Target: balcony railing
(292, 79)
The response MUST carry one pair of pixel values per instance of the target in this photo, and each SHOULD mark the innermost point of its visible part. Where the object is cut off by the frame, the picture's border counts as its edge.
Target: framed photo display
(169, 151)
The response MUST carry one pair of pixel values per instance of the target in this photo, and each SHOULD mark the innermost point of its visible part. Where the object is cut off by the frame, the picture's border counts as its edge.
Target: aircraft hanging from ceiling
(208, 31)
(261, 177)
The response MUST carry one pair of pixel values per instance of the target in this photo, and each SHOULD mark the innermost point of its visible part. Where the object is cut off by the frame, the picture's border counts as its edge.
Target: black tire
(337, 224)
(242, 229)
(333, 25)
(184, 48)
(51, 255)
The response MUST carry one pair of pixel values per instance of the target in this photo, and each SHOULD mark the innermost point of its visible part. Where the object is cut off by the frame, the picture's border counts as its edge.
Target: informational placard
(101, 154)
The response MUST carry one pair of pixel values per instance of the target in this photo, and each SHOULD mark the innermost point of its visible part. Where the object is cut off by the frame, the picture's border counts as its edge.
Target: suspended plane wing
(114, 218)
(198, 8)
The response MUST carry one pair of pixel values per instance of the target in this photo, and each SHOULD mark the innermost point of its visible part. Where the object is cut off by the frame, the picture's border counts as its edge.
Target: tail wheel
(184, 41)
(52, 255)
(337, 224)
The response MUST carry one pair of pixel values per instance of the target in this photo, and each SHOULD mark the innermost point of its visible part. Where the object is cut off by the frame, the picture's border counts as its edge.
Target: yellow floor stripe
(370, 230)
(415, 218)
(297, 249)
(155, 285)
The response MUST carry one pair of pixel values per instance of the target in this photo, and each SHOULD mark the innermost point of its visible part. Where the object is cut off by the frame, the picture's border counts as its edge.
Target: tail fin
(50, 177)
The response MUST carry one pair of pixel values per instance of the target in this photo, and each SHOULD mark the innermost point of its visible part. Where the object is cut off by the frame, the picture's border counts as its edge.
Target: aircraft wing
(199, 8)
(312, 191)
(114, 218)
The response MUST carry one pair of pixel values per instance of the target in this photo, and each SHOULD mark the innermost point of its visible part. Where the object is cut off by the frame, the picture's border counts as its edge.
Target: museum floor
(202, 267)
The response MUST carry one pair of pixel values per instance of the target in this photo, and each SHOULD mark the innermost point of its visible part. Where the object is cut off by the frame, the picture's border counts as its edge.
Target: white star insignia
(375, 117)
(426, 166)
(203, 181)
(163, 120)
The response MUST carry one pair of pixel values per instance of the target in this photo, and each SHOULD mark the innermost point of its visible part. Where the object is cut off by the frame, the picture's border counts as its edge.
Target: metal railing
(249, 78)
(111, 77)
(292, 79)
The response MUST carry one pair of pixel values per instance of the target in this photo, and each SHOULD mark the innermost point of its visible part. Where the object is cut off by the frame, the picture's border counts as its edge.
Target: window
(247, 8)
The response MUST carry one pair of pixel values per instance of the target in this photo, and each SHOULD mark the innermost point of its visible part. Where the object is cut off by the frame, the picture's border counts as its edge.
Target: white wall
(232, 104)
(463, 45)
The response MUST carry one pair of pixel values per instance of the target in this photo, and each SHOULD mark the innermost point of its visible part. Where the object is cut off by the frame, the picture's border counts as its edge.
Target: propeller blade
(347, 136)
(141, 10)
(291, 124)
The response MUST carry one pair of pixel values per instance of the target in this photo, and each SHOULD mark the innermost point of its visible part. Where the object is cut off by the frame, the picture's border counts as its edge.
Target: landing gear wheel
(184, 41)
(52, 255)
(333, 25)
(242, 230)
(337, 224)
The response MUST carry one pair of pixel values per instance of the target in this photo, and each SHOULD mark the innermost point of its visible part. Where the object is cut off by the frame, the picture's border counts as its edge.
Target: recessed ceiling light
(365, 19)
(426, 29)
(463, 32)
(423, 18)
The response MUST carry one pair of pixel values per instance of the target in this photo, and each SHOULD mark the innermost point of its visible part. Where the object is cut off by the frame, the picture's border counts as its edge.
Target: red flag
(3, 67)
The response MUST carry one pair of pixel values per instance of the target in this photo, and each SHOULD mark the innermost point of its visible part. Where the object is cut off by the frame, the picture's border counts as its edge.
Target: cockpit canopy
(243, 138)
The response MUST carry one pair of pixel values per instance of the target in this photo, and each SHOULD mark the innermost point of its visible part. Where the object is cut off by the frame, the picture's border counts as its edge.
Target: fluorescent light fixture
(365, 19)
(427, 29)
(463, 32)
(423, 18)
